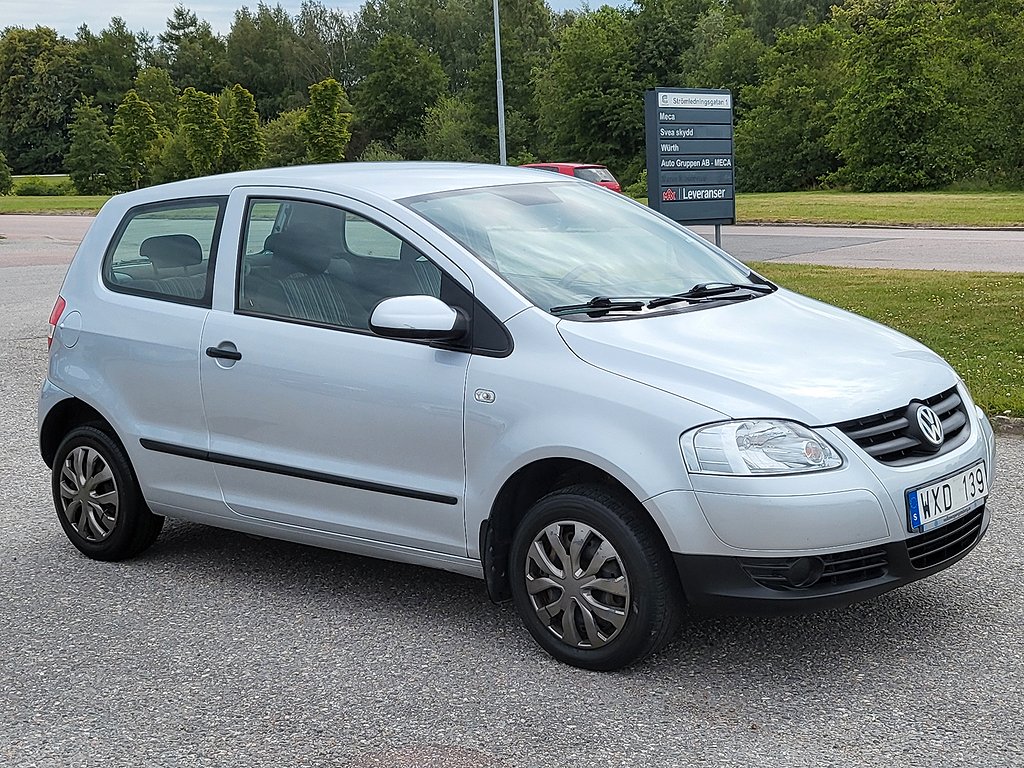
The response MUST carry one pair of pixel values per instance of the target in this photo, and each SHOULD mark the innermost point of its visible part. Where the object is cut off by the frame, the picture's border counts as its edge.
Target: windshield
(561, 244)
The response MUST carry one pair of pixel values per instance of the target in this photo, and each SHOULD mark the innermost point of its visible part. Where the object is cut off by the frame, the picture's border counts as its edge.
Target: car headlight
(757, 447)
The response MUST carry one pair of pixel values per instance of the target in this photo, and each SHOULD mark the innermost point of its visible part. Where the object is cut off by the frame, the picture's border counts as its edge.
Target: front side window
(563, 244)
(315, 263)
(166, 251)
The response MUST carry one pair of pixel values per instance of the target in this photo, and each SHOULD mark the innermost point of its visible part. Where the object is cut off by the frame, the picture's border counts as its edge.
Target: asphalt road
(52, 240)
(216, 649)
(904, 248)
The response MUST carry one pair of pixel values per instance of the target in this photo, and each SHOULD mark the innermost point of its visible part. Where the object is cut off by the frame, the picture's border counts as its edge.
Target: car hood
(778, 356)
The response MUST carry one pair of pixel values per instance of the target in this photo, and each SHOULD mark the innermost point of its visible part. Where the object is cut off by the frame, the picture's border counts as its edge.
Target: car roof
(390, 180)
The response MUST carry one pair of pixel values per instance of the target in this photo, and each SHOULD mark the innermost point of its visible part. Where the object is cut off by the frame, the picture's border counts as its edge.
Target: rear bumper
(786, 585)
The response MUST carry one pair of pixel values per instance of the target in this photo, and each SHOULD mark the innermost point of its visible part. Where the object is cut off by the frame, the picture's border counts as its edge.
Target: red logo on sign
(668, 195)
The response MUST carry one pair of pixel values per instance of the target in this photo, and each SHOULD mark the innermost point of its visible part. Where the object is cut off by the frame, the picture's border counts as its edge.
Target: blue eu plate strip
(915, 513)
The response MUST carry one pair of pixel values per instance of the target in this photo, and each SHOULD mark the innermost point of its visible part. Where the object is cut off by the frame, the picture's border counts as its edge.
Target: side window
(364, 238)
(316, 263)
(166, 251)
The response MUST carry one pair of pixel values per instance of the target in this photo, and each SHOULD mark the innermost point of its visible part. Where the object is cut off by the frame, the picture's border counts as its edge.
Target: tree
(109, 62)
(38, 88)
(987, 59)
(526, 47)
(325, 123)
(284, 139)
(767, 18)
(6, 182)
(169, 159)
(589, 99)
(190, 51)
(378, 152)
(134, 132)
(450, 132)
(203, 130)
(899, 125)
(154, 87)
(782, 141)
(405, 80)
(93, 158)
(325, 44)
(453, 29)
(662, 31)
(724, 54)
(244, 148)
(261, 52)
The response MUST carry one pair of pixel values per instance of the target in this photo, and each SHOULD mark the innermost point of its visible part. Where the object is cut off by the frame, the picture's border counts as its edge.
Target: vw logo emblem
(930, 425)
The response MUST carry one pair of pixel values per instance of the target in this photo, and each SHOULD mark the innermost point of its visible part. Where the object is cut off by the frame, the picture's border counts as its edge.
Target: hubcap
(88, 494)
(577, 584)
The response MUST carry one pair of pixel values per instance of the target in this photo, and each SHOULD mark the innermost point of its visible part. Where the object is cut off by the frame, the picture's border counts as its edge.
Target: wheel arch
(522, 490)
(61, 419)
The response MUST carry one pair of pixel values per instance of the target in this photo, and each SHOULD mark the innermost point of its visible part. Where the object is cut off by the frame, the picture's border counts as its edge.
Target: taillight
(58, 310)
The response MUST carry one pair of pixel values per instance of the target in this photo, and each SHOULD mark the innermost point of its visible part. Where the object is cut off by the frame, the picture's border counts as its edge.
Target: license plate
(933, 505)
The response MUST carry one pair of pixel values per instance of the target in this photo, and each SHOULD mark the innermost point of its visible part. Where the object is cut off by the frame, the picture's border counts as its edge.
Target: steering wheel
(570, 277)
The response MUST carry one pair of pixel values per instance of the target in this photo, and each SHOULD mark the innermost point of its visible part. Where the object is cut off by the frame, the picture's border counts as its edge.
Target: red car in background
(595, 173)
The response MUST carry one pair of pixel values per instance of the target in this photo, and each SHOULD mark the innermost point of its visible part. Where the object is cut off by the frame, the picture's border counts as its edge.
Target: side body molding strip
(304, 474)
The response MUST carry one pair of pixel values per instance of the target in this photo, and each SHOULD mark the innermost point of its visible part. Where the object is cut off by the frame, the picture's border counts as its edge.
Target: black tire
(650, 608)
(91, 465)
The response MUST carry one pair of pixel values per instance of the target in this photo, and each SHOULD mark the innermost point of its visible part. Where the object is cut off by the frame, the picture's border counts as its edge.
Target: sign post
(690, 157)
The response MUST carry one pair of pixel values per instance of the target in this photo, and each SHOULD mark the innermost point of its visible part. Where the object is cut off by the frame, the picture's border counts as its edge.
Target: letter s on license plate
(933, 505)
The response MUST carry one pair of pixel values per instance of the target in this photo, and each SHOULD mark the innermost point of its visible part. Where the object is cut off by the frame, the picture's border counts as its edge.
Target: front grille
(947, 542)
(888, 438)
(838, 569)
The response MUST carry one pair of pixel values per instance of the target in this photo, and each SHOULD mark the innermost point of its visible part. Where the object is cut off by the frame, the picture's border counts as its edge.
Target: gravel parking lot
(217, 649)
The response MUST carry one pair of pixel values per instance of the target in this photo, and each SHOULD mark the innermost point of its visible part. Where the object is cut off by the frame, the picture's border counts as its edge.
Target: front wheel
(593, 580)
(97, 498)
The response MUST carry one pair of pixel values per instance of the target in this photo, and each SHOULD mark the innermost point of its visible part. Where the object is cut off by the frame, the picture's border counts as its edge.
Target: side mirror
(417, 317)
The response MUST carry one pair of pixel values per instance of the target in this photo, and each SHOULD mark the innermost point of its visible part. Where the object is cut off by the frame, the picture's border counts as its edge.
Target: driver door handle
(223, 354)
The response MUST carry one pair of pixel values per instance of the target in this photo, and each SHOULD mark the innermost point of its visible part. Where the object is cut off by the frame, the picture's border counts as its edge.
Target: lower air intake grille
(947, 542)
(837, 569)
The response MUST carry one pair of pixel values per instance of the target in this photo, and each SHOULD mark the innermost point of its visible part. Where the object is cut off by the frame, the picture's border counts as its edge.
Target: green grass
(919, 209)
(972, 319)
(46, 179)
(52, 203)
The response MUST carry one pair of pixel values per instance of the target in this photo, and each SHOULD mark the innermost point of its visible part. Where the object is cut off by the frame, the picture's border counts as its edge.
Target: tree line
(863, 94)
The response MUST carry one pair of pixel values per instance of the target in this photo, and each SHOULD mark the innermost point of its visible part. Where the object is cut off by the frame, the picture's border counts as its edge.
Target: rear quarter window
(166, 251)
(594, 174)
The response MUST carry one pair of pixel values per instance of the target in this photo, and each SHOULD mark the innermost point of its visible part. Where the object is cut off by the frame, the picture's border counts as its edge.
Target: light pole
(502, 153)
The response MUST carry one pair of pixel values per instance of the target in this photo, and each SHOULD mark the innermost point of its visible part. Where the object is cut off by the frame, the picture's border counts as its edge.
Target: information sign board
(690, 157)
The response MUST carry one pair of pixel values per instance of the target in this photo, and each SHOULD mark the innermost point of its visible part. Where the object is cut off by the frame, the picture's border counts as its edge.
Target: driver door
(315, 421)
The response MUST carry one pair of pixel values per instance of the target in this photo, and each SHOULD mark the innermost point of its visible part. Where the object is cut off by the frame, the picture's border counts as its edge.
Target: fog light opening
(805, 572)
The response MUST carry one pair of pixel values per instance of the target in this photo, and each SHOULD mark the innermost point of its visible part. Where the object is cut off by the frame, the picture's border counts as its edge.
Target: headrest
(317, 216)
(166, 251)
(298, 250)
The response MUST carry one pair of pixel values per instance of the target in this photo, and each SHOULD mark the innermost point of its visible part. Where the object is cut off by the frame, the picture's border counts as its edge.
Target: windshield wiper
(713, 290)
(600, 305)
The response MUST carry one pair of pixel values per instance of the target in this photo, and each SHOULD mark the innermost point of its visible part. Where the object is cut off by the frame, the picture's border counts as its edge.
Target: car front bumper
(819, 540)
(799, 584)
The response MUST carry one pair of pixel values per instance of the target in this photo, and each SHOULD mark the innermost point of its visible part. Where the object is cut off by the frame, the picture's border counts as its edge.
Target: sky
(66, 16)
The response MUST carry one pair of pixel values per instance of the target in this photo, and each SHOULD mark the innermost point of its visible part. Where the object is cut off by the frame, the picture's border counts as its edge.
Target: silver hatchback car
(527, 379)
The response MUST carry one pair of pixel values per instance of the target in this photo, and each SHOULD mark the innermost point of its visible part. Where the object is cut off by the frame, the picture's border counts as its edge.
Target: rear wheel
(593, 580)
(97, 498)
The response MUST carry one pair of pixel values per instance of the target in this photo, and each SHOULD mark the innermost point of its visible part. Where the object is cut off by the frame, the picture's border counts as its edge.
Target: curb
(1007, 425)
(840, 225)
